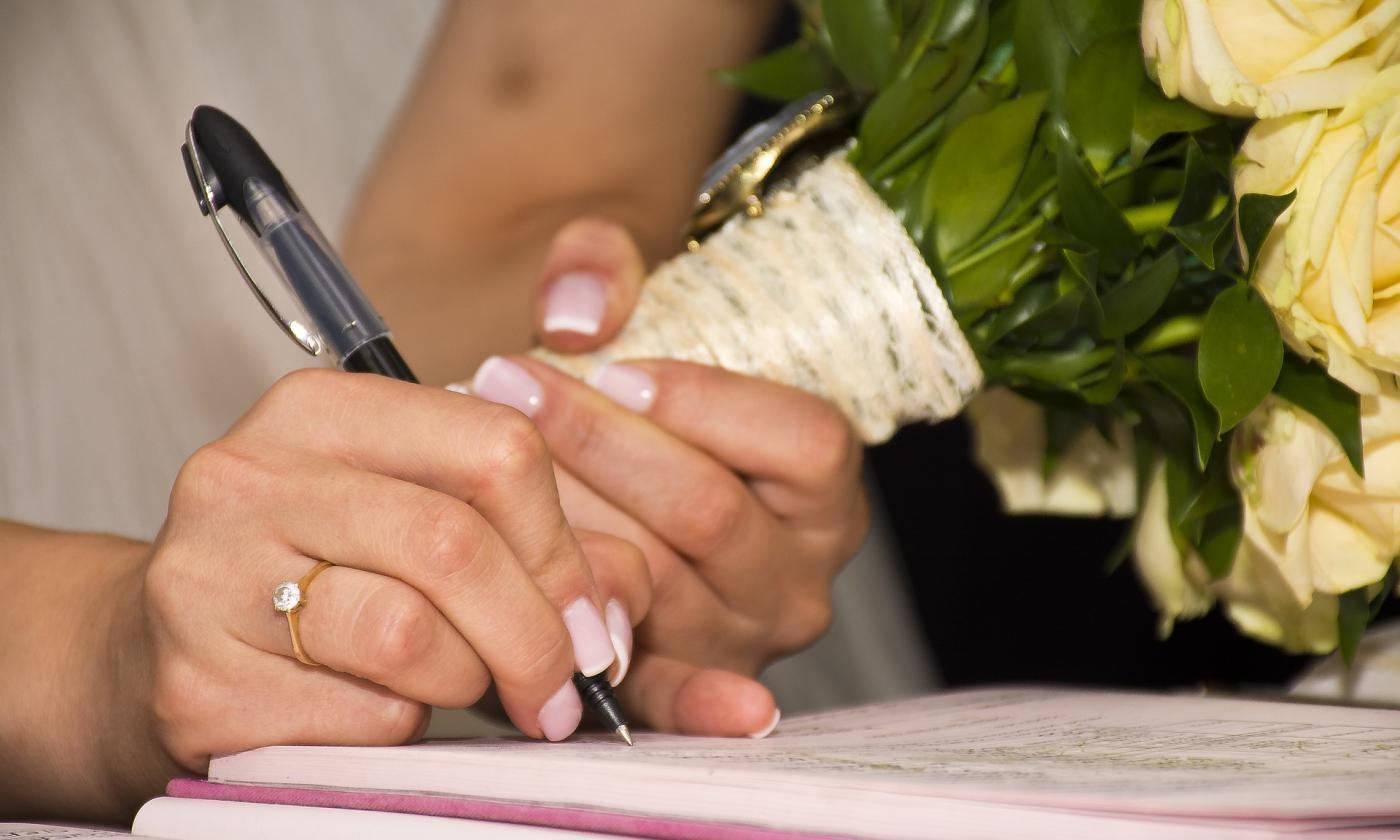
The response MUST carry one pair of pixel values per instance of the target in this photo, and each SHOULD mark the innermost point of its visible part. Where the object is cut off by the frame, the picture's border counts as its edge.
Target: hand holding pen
(405, 544)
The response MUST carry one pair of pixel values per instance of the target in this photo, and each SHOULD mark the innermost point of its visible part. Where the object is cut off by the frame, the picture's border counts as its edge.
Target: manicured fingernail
(772, 724)
(620, 631)
(593, 650)
(626, 385)
(575, 303)
(503, 381)
(561, 713)
(457, 388)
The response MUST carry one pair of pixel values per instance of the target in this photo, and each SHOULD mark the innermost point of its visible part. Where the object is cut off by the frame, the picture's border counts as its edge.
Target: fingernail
(561, 713)
(620, 631)
(503, 381)
(772, 724)
(626, 385)
(575, 303)
(457, 388)
(593, 650)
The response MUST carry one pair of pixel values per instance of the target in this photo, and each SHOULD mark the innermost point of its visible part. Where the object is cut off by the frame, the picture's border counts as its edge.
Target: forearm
(74, 741)
(526, 115)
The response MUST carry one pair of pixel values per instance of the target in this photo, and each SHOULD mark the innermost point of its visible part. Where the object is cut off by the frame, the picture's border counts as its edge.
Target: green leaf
(1088, 213)
(1353, 613)
(1335, 405)
(1106, 389)
(1258, 213)
(1206, 239)
(1084, 268)
(1038, 297)
(976, 168)
(1054, 368)
(1240, 354)
(1043, 50)
(1087, 21)
(1220, 540)
(1199, 188)
(906, 105)
(787, 74)
(1155, 116)
(1100, 93)
(1132, 303)
(1178, 375)
(988, 278)
(863, 41)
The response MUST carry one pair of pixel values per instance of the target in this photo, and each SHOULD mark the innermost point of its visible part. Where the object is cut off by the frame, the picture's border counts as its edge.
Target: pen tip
(625, 734)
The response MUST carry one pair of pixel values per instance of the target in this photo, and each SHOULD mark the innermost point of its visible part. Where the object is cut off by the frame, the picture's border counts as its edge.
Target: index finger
(771, 433)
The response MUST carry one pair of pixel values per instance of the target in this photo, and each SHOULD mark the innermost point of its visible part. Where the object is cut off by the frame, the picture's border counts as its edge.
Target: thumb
(588, 286)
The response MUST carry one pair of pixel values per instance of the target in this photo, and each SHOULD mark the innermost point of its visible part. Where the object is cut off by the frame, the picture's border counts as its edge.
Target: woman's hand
(745, 496)
(454, 570)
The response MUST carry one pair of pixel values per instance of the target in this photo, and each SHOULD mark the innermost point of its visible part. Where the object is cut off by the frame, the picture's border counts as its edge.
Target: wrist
(68, 705)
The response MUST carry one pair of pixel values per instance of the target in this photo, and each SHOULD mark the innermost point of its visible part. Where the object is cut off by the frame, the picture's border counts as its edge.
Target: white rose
(1178, 583)
(1093, 478)
(1313, 529)
(1332, 273)
(1268, 58)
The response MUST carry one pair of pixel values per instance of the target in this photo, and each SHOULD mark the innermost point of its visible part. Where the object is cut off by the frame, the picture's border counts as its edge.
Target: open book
(983, 763)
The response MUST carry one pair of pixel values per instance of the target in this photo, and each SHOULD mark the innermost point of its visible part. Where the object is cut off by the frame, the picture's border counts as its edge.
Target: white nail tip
(772, 724)
(564, 322)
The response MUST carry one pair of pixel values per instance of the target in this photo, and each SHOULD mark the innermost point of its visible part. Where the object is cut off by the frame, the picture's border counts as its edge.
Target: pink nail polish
(772, 724)
(593, 649)
(620, 631)
(625, 385)
(561, 713)
(575, 303)
(503, 381)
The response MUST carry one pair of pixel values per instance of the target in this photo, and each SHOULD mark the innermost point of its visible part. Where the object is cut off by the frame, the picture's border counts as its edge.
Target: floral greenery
(1082, 226)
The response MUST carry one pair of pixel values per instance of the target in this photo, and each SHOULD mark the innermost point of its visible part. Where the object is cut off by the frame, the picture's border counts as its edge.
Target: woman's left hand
(745, 496)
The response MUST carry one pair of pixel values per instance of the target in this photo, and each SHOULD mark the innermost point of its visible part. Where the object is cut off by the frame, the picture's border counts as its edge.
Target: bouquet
(1159, 241)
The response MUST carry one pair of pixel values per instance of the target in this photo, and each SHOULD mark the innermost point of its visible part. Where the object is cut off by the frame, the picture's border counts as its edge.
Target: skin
(719, 514)
(544, 118)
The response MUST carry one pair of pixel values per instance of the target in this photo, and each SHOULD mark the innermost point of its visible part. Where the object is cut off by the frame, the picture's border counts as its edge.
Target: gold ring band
(289, 598)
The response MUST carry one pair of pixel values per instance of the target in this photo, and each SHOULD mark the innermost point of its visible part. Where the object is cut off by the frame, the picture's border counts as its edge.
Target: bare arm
(72, 687)
(525, 115)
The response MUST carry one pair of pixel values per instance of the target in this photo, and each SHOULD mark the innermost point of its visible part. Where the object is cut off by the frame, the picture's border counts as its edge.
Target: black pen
(227, 168)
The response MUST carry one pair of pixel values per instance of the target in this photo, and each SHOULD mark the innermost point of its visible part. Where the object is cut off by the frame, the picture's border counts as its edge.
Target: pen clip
(207, 194)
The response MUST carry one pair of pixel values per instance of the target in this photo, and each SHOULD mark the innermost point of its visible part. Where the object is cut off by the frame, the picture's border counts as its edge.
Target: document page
(1139, 753)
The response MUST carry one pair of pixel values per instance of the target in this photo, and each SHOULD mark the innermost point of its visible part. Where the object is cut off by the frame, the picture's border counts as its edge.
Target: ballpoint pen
(227, 168)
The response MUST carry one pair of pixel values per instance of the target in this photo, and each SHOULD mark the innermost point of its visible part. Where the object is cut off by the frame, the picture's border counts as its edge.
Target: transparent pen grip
(327, 294)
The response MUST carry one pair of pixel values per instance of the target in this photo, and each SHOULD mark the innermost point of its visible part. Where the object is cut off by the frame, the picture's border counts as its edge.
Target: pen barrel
(597, 695)
(378, 355)
(339, 312)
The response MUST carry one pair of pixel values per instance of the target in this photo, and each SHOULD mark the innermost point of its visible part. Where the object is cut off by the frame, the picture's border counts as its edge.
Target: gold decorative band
(293, 620)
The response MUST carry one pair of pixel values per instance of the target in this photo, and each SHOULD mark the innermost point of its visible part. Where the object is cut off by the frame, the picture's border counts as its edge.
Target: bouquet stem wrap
(824, 291)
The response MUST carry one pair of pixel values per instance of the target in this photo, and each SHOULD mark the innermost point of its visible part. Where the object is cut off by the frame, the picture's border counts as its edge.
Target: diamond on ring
(286, 597)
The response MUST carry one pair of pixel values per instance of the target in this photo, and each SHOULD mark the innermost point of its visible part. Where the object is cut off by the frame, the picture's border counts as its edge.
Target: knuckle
(295, 388)
(222, 474)
(804, 621)
(447, 540)
(394, 630)
(544, 659)
(712, 514)
(826, 446)
(514, 448)
(466, 692)
(399, 720)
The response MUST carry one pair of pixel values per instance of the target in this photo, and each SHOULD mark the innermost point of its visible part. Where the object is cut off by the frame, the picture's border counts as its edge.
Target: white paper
(1130, 753)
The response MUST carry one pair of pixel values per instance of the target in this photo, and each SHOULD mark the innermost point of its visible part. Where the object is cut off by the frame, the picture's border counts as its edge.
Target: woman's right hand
(454, 570)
